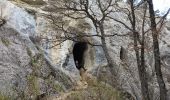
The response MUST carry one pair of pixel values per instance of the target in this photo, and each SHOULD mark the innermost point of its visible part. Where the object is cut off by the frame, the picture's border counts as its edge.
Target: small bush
(96, 91)
(58, 88)
(29, 52)
(55, 86)
(3, 97)
(33, 85)
(5, 41)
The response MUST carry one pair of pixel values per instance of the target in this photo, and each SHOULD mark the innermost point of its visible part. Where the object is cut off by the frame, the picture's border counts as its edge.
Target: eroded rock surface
(29, 68)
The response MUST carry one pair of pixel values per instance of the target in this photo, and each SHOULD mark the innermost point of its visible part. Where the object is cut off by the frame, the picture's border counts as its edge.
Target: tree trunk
(110, 62)
(141, 70)
(162, 87)
(143, 67)
(140, 62)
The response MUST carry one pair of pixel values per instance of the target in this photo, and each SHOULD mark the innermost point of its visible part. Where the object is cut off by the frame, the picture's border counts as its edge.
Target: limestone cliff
(30, 68)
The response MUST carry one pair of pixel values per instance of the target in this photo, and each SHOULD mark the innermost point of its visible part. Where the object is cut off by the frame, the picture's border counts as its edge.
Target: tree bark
(162, 87)
(110, 62)
(140, 62)
(142, 71)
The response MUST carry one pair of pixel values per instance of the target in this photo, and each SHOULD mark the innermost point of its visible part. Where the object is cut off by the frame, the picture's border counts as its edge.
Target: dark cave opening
(79, 54)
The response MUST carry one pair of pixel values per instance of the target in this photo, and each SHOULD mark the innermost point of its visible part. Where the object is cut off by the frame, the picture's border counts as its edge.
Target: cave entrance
(79, 50)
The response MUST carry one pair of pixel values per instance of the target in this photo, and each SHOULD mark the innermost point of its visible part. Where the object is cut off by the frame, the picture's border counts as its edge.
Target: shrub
(5, 41)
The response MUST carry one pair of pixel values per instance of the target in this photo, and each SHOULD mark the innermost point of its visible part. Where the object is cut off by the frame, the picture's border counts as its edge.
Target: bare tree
(140, 58)
(155, 34)
(82, 9)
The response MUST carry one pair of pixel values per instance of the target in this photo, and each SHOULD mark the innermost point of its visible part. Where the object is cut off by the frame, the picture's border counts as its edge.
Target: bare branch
(163, 19)
(126, 26)
(160, 21)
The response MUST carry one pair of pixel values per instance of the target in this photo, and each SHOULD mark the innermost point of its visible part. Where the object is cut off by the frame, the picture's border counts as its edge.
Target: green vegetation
(36, 61)
(4, 97)
(29, 52)
(5, 41)
(56, 86)
(96, 91)
(33, 85)
(32, 79)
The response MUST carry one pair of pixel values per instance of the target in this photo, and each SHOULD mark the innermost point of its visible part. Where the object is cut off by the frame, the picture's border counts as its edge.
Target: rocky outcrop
(29, 68)
(26, 72)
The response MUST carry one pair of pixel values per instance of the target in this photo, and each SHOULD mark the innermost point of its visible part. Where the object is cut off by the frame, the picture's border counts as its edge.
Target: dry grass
(95, 91)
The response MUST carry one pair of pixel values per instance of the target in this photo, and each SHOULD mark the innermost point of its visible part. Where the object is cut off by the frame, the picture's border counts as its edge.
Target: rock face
(26, 71)
(29, 68)
(15, 18)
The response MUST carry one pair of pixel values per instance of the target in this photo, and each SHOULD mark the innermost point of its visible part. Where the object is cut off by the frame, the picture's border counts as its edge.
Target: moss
(4, 97)
(36, 61)
(29, 52)
(5, 41)
(58, 87)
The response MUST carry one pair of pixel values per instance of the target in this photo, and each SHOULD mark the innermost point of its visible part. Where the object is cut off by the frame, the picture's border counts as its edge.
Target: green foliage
(36, 61)
(33, 84)
(4, 97)
(33, 88)
(32, 79)
(52, 84)
(58, 88)
(29, 52)
(5, 41)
